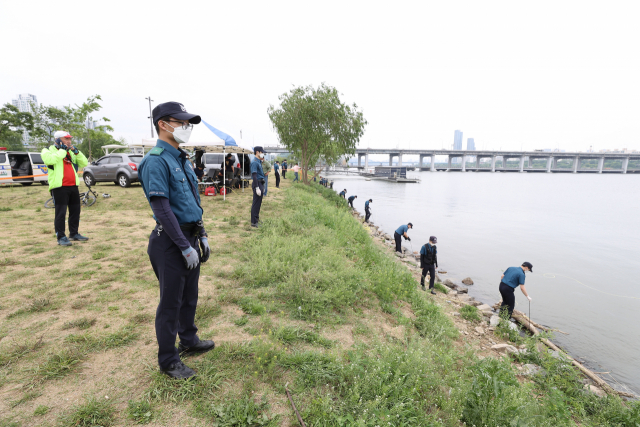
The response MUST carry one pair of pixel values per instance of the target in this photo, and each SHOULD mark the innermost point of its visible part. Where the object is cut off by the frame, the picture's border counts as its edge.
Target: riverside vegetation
(309, 302)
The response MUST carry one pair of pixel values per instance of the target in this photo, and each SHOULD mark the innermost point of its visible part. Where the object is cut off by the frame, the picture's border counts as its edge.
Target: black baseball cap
(175, 110)
(433, 239)
(528, 264)
(258, 148)
(410, 225)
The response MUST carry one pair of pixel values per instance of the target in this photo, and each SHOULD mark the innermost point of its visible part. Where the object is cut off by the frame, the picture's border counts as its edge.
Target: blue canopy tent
(210, 139)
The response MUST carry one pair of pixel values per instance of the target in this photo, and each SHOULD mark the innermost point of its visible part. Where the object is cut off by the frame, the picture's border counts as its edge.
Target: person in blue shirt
(401, 231)
(179, 243)
(276, 168)
(284, 169)
(350, 201)
(367, 210)
(343, 193)
(429, 262)
(257, 185)
(510, 280)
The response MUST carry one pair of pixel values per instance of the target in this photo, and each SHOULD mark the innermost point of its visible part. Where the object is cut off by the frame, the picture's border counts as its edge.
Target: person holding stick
(401, 232)
(509, 281)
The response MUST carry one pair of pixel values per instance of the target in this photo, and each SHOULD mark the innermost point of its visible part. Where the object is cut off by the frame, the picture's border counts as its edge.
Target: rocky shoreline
(458, 295)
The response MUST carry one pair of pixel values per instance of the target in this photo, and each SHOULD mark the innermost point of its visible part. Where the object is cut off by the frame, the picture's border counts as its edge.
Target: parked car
(121, 169)
(15, 164)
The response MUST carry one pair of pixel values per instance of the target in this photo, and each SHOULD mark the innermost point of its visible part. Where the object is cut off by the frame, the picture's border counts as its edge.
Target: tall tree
(12, 123)
(316, 126)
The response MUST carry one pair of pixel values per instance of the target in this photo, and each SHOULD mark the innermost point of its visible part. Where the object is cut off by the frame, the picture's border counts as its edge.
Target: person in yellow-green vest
(63, 161)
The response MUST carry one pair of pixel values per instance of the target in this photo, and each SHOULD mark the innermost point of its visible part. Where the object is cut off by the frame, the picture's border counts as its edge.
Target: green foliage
(82, 323)
(92, 413)
(41, 410)
(58, 365)
(10, 119)
(238, 412)
(291, 334)
(442, 288)
(316, 125)
(470, 313)
(140, 412)
(251, 306)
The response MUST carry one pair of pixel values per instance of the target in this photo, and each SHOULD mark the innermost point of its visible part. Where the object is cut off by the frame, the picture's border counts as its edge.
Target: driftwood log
(532, 327)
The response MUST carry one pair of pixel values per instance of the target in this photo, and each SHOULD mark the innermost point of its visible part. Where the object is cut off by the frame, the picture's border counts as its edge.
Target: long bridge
(551, 157)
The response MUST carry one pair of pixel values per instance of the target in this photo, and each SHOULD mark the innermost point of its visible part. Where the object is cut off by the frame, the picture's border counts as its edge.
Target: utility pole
(240, 133)
(150, 115)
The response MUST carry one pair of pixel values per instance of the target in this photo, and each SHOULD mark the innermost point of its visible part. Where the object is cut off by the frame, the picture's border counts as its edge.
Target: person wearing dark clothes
(510, 280)
(331, 185)
(367, 210)
(343, 193)
(199, 171)
(179, 243)
(284, 169)
(401, 232)
(257, 185)
(351, 199)
(276, 169)
(429, 262)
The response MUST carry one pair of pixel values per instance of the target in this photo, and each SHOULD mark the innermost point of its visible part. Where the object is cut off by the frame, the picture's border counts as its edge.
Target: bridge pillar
(359, 157)
(576, 163)
(493, 163)
(549, 164)
(521, 163)
(390, 159)
(432, 168)
(399, 160)
(625, 165)
(600, 164)
(449, 163)
(464, 163)
(366, 161)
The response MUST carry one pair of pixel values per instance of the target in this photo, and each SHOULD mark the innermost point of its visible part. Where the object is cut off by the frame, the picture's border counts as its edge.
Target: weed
(25, 398)
(234, 221)
(207, 310)
(241, 321)
(251, 306)
(470, 313)
(290, 335)
(6, 262)
(41, 410)
(5, 209)
(58, 365)
(242, 411)
(89, 342)
(82, 323)
(142, 318)
(98, 255)
(440, 287)
(92, 413)
(140, 412)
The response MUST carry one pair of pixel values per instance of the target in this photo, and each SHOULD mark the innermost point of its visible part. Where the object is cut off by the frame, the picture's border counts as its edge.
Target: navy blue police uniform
(168, 180)
(428, 263)
(367, 211)
(258, 182)
(351, 199)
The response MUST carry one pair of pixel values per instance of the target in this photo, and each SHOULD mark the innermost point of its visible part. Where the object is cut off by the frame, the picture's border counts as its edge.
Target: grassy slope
(309, 302)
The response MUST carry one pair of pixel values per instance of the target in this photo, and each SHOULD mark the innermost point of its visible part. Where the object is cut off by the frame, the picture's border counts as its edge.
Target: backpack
(430, 257)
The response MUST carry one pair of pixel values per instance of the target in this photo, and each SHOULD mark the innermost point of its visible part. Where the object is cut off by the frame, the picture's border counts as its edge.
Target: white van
(15, 164)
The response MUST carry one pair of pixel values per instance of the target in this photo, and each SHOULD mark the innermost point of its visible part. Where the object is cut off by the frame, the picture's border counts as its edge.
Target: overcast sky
(512, 75)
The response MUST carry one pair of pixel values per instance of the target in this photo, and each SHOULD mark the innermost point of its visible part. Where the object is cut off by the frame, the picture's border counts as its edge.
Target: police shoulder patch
(156, 151)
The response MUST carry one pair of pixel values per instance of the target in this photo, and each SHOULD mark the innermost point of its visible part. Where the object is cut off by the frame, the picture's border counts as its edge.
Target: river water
(581, 232)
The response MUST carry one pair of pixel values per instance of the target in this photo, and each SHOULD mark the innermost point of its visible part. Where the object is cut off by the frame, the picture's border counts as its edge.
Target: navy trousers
(178, 296)
(431, 270)
(397, 237)
(255, 206)
(508, 298)
(367, 212)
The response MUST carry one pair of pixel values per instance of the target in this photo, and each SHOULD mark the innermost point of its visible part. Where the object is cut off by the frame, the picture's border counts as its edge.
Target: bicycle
(87, 198)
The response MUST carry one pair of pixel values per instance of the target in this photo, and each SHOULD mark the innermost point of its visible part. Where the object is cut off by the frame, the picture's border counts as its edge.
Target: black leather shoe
(79, 238)
(179, 371)
(255, 225)
(201, 347)
(433, 292)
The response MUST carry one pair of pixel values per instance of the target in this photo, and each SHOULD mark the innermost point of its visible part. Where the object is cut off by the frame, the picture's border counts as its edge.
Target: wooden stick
(295, 409)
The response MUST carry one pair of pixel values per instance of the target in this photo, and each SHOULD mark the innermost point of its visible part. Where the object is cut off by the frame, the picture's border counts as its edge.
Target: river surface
(581, 232)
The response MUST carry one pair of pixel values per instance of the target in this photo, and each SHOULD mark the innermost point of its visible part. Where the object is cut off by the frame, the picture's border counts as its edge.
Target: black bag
(430, 257)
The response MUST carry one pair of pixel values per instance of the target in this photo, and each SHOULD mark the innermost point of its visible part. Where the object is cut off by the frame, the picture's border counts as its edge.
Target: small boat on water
(390, 173)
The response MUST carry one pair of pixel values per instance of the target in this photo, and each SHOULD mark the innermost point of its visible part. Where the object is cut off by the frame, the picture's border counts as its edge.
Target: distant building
(24, 103)
(457, 140)
(471, 144)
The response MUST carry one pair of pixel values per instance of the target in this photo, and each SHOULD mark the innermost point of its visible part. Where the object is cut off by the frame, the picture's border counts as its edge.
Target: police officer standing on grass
(63, 161)
(179, 242)
(367, 210)
(401, 231)
(429, 262)
(510, 280)
(276, 169)
(257, 185)
(284, 169)
(351, 199)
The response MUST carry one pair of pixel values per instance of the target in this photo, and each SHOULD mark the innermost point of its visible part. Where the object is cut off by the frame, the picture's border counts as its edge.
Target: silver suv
(121, 169)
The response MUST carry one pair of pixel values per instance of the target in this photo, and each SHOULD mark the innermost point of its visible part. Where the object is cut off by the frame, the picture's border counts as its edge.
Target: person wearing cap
(343, 193)
(351, 199)
(510, 280)
(401, 231)
(429, 262)
(276, 171)
(179, 243)
(257, 185)
(284, 169)
(63, 160)
(367, 210)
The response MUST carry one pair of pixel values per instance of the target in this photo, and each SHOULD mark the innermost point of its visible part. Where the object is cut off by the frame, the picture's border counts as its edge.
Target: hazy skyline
(510, 75)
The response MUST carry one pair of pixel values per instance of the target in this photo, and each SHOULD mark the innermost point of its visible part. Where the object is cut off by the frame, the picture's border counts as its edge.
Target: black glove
(409, 238)
(63, 146)
(206, 250)
(75, 150)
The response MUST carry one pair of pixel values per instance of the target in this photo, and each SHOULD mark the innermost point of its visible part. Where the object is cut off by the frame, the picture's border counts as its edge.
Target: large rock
(442, 272)
(494, 321)
(595, 390)
(388, 237)
(467, 281)
(462, 290)
(448, 283)
(479, 330)
(530, 369)
(484, 307)
(504, 348)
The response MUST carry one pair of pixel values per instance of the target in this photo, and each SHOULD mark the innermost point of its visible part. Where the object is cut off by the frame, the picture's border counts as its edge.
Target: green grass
(92, 413)
(140, 412)
(81, 323)
(470, 313)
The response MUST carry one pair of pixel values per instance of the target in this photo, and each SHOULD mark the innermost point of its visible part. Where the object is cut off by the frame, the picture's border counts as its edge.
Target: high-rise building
(24, 102)
(457, 140)
(471, 145)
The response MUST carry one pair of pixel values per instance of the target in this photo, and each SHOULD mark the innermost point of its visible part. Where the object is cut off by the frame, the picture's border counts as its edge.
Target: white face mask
(261, 155)
(180, 135)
